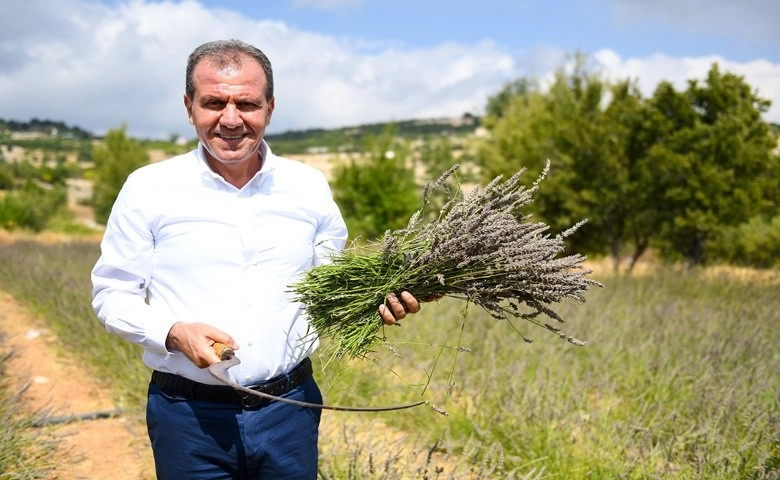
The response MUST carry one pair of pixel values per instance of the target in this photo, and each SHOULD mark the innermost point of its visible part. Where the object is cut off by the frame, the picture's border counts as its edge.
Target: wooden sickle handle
(223, 351)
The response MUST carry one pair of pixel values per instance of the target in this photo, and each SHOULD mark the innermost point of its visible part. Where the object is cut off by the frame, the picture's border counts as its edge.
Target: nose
(230, 116)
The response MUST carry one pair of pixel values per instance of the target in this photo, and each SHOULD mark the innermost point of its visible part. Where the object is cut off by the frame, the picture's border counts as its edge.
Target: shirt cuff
(156, 336)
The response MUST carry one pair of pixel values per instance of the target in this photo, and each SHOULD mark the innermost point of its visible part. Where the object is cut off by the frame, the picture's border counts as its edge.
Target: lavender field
(680, 378)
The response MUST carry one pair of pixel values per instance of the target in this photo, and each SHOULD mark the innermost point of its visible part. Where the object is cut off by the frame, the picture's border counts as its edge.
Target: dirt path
(113, 448)
(117, 448)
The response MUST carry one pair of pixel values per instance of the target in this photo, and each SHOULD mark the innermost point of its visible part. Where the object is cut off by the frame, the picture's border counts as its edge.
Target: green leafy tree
(114, 161)
(7, 177)
(377, 191)
(588, 167)
(669, 171)
(712, 166)
(585, 140)
(436, 156)
(626, 220)
(755, 243)
(521, 134)
(501, 102)
(32, 206)
(84, 151)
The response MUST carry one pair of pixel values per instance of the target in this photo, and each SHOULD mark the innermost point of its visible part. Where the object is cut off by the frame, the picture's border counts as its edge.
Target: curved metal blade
(229, 359)
(219, 370)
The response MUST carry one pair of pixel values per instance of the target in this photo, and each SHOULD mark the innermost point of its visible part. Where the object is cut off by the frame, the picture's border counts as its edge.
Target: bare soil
(113, 448)
(117, 447)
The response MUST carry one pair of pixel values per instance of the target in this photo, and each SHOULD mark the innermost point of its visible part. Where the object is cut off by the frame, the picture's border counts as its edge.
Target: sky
(104, 64)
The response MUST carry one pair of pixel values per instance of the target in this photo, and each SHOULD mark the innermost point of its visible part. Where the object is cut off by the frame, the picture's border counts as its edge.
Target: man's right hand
(196, 341)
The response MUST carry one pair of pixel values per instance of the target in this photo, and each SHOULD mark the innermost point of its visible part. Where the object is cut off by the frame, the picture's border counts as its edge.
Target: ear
(271, 106)
(188, 106)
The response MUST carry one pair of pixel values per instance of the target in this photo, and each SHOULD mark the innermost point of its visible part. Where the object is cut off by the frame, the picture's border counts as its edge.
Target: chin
(231, 160)
(229, 157)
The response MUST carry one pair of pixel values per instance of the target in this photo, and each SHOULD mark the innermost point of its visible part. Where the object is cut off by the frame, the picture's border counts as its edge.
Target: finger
(412, 305)
(387, 315)
(396, 306)
(221, 337)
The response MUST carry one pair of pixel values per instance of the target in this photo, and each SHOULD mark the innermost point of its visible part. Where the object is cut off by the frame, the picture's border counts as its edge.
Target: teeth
(234, 137)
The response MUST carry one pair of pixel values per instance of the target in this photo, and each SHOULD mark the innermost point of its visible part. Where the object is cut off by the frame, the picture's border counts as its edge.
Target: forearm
(124, 312)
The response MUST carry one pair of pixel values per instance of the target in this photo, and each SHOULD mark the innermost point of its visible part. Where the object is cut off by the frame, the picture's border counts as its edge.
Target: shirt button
(247, 378)
(249, 343)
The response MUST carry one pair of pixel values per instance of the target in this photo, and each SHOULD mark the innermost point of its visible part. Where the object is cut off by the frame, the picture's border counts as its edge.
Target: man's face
(229, 110)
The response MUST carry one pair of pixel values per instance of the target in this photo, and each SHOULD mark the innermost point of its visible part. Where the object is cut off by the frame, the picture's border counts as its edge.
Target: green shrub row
(31, 207)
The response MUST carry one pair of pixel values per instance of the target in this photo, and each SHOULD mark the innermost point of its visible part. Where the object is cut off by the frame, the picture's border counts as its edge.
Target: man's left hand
(395, 309)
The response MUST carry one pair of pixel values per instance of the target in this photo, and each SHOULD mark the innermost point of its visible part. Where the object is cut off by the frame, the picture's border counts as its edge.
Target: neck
(237, 174)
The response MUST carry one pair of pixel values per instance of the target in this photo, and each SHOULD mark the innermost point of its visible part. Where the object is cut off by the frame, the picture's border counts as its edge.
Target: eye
(214, 104)
(248, 106)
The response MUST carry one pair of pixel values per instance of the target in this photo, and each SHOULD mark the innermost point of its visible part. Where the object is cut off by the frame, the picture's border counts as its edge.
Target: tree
(668, 171)
(585, 142)
(499, 103)
(114, 161)
(436, 156)
(712, 166)
(377, 191)
(755, 243)
(32, 206)
(7, 177)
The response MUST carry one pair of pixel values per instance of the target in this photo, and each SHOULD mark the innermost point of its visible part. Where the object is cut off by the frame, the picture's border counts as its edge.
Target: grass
(23, 452)
(53, 279)
(680, 379)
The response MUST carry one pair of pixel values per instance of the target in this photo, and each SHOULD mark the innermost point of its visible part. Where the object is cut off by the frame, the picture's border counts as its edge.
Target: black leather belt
(178, 386)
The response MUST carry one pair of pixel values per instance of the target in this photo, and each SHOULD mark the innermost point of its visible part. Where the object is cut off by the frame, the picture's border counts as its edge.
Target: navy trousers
(198, 440)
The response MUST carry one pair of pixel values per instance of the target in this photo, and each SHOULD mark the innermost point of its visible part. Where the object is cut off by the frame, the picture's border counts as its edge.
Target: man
(202, 248)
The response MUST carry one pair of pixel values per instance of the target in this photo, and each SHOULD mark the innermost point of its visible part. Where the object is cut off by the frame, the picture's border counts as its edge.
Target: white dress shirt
(182, 244)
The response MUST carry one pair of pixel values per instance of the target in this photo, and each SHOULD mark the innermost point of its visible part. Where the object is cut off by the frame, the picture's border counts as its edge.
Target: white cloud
(126, 65)
(342, 86)
(98, 67)
(762, 75)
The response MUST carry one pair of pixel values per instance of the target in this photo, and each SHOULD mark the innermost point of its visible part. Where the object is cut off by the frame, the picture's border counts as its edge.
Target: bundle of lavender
(480, 248)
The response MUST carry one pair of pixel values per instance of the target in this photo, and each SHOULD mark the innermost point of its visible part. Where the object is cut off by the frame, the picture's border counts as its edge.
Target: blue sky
(99, 64)
(740, 30)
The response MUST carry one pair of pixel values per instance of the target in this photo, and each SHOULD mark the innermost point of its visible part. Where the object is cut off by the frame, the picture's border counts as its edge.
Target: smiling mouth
(231, 137)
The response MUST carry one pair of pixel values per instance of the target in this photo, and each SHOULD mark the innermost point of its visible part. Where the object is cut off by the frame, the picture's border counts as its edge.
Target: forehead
(214, 76)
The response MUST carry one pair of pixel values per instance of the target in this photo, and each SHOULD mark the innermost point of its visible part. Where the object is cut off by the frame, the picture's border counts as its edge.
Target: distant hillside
(41, 140)
(405, 128)
(40, 133)
(36, 128)
(350, 138)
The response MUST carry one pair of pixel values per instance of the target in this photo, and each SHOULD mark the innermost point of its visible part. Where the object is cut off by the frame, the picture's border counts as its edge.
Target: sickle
(229, 359)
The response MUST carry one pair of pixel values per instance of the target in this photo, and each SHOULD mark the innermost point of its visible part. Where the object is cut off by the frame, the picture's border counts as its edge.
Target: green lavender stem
(479, 249)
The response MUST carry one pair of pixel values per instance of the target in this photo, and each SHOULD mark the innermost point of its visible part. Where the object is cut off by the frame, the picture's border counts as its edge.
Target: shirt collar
(266, 169)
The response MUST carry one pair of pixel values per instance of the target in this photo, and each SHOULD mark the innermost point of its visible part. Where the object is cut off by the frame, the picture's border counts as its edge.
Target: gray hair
(225, 53)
